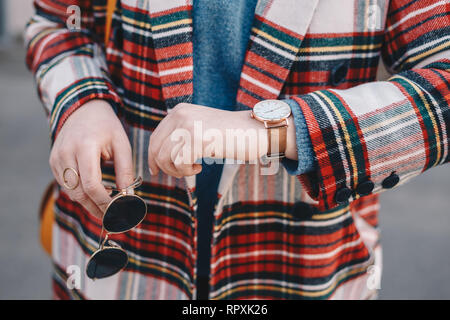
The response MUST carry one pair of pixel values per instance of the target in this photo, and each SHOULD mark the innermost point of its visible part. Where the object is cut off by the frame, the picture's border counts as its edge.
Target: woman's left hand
(191, 132)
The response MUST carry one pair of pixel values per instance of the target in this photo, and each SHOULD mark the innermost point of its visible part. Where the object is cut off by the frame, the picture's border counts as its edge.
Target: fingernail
(150, 170)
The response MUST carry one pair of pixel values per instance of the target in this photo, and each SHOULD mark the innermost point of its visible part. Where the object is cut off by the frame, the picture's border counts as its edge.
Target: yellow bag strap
(110, 7)
(46, 217)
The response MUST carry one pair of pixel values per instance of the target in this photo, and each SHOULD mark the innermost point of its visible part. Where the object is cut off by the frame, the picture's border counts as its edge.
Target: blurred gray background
(415, 218)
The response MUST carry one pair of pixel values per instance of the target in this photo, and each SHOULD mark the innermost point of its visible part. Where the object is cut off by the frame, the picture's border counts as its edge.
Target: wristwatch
(274, 114)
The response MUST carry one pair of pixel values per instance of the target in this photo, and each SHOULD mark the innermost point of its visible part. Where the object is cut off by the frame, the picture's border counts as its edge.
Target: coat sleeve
(379, 135)
(69, 65)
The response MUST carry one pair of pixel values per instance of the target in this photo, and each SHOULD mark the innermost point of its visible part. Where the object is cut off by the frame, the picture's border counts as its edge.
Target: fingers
(187, 170)
(90, 134)
(78, 194)
(88, 160)
(123, 161)
(164, 162)
(184, 164)
(158, 136)
(174, 158)
(172, 161)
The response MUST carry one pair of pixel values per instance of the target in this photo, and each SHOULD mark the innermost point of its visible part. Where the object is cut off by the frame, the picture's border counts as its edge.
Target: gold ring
(65, 180)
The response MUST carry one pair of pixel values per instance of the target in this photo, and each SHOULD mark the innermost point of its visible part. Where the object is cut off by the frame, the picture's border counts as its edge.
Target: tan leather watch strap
(277, 136)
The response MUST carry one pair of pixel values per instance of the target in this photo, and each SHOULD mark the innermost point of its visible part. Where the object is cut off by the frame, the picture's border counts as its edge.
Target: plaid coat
(309, 237)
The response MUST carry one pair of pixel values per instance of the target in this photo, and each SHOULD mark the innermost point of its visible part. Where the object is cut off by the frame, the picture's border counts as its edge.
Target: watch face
(272, 110)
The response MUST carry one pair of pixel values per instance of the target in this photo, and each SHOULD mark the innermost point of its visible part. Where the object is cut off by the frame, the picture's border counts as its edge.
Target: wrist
(250, 136)
(275, 116)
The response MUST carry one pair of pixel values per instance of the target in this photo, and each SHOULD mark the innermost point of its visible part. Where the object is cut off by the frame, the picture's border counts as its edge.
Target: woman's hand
(92, 132)
(191, 132)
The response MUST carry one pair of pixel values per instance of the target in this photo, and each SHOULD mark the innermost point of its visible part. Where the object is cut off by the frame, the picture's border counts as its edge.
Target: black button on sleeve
(390, 181)
(303, 211)
(342, 195)
(338, 73)
(365, 188)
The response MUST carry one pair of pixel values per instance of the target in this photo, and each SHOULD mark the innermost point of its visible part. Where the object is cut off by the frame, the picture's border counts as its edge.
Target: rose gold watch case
(272, 122)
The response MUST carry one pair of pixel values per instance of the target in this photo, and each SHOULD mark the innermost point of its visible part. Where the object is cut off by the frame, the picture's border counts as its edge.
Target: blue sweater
(220, 37)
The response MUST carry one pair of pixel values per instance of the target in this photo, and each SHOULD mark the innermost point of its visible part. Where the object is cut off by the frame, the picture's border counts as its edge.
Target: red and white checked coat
(276, 236)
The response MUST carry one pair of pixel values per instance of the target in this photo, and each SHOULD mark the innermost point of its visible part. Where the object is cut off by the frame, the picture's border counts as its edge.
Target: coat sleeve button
(338, 73)
(342, 195)
(365, 188)
(390, 181)
(303, 211)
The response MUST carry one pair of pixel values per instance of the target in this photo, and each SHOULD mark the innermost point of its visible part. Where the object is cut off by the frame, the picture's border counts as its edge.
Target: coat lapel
(171, 25)
(278, 30)
(277, 33)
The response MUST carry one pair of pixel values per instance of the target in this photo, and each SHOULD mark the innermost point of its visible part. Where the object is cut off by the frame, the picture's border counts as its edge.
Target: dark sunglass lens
(105, 263)
(124, 213)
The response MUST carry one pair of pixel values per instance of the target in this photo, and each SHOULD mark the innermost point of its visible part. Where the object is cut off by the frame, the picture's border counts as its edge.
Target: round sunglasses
(125, 212)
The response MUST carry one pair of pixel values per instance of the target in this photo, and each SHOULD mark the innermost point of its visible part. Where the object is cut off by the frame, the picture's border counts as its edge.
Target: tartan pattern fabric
(80, 73)
(265, 249)
(265, 243)
(162, 246)
(358, 134)
(272, 50)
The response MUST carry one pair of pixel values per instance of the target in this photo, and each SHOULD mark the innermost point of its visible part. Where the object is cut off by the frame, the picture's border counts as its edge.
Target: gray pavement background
(415, 218)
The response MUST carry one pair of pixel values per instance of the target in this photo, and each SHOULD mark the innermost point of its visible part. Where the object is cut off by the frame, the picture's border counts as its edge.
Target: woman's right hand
(92, 132)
